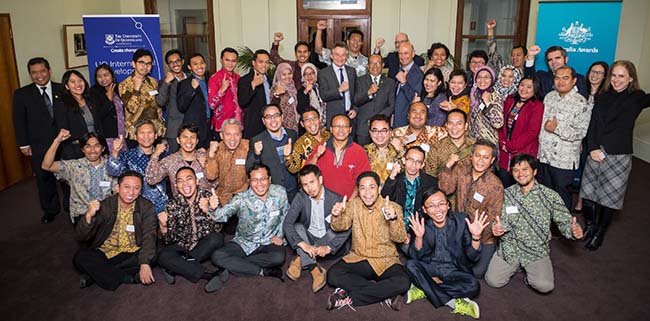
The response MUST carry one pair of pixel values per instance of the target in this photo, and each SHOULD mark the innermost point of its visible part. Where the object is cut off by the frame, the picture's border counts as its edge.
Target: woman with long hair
(609, 143)
(110, 109)
(433, 94)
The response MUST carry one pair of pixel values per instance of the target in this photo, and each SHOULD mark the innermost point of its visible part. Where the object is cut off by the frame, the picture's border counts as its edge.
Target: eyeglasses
(441, 205)
(272, 116)
(259, 180)
(415, 161)
(380, 131)
(144, 63)
(480, 63)
(483, 78)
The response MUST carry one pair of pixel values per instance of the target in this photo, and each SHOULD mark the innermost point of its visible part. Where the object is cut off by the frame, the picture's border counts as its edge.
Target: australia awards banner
(588, 30)
(112, 39)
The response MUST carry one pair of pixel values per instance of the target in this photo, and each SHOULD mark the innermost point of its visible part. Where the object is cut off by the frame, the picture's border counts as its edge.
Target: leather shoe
(293, 272)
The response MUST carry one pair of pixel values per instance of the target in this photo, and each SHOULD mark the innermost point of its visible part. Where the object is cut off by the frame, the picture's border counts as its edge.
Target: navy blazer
(391, 61)
(269, 156)
(328, 83)
(300, 212)
(251, 101)
(406, 94)
(33, 124)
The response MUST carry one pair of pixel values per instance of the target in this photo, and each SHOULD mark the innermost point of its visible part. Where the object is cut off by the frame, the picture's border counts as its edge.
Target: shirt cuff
(530, 63)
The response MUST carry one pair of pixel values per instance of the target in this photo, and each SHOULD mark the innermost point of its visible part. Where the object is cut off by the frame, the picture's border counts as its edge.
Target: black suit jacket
(391, 61)
(191, 103)
(328, 83)
(300, 212)
(251, 101)
(396, 189)
(33, 124)
(269, 156)
(382, 102)
(105, 110)
(73, 121)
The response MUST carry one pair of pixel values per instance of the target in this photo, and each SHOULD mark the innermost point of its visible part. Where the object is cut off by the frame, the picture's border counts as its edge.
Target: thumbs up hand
(388, 210)
(287, 149)
(213, 200)
(576, 229)
(497, 228)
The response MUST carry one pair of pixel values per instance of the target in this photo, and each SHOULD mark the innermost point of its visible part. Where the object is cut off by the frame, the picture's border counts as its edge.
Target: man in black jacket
(307, 227)
(121, 232)
(166, 98)
(192, 99)
(253, 93)
(33, 116)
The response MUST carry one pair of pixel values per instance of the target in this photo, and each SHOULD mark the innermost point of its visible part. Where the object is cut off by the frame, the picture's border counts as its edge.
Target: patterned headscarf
(314, 97)
(290, 87)
(503, 91)
(476, 92)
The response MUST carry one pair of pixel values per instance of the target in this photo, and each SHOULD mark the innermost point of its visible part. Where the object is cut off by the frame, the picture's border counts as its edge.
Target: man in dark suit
(374, 95)
(409, 84)
(33, 116)
(307, 227)
(555, 57)
(273, 147)
(392, 59)
(337, 84)
(192, 99)
(166, 97)
(253, 93)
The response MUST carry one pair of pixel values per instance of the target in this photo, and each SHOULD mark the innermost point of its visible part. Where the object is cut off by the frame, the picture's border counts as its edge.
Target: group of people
(457, 173)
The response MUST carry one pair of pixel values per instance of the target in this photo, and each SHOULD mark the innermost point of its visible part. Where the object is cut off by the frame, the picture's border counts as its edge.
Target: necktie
(342, 79)
(375, 80)
(267, 90)
(48, 102)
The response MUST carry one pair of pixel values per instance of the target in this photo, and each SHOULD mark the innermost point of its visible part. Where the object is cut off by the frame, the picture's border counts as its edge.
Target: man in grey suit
(166, 97)
(337, 84)
(409, 84)
(307, 227)
(374, 95)
(272, 148)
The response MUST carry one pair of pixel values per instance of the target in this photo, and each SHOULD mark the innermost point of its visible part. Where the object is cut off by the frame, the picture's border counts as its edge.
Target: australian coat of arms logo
(576, 33)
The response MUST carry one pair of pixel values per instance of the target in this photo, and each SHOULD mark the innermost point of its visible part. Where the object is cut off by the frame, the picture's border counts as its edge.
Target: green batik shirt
(526, 219)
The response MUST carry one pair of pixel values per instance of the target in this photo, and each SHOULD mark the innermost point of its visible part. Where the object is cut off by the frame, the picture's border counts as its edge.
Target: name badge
(240, 161)
(130, 228)
(425, 147)
(328, 219)
(104, 184)
(274, 213)
(559, 116)
(199, 175)
(389, 166)
(512, 209)
(410, 138)
(153, 92)
(291, 100)
(478, 197)
(481, 106)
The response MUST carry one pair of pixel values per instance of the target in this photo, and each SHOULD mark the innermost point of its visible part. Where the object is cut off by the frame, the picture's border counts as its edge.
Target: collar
(330, 143)
(284, 133)
(408, 67)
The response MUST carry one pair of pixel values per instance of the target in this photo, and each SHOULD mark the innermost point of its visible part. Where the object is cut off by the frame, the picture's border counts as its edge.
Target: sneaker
(414, 294)
(338, 299)
(295, 267)
(467, 307)
(318, 276)
(394, 303)
(169, 277)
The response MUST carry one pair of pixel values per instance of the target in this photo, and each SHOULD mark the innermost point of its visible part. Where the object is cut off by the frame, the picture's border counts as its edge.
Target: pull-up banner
(112, 39)
(588, 30)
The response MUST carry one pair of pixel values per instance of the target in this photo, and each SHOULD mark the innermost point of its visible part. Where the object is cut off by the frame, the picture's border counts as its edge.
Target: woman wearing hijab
(285, 95)
(509, 77)
(486, 107)
(308, 94)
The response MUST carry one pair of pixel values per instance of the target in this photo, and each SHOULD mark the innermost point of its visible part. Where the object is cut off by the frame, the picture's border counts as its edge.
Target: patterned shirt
(427, 137)
(259, 220)
(373, 237)
(135, 159)
(485, 122)
(122, 237)
(526, 219)
(139, 105)
(359, 63)
(228, 169)
(561, 148)
(186, 223)
(484, 194)
(379, 159)
(303, 147)
(158, 170)
(462, 103)
(440, 152)
(87, 183)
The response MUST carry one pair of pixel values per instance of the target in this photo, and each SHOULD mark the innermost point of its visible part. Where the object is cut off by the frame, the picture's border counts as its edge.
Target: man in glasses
(383, 156)
(374, 95)
(314, 135)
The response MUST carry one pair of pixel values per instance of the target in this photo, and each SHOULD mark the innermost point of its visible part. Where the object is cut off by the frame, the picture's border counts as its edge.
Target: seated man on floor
(307, 227)
(189, 234)
(372, 271)
(257, 248)
(121, 231)
(445, 244)
(525, 229)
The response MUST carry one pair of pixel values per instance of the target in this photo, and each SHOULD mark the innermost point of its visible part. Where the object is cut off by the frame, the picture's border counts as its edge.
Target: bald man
(391, 61)
(409, 83)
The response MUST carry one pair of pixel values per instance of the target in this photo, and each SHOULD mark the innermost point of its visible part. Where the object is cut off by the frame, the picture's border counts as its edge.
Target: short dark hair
(379, 117)
(355, 31)
(458, 72)
(340, 44)
(438, 45)
(129, 173)
(36, 61)
(520, 158)
(523, 48)
(258, 166)
(477, 54)
(260, 52)
(230, 50)
(301, 43)
(458, 111)
(173, 52)
(368, 174)
(194, 55)
(343, 116)
(555, 48)
(486, 143)
(83, 140)
(143, 122)
(430, 191)
(438, 74)
(267, 106)
(416, 148)
(537, 88)
(309, 109)
(188, 126)
(186, 168)
(141, 53)
(565, 67)
(413, 104)
(309, 169)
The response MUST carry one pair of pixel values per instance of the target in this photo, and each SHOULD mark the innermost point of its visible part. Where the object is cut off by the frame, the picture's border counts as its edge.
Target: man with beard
(166, 97)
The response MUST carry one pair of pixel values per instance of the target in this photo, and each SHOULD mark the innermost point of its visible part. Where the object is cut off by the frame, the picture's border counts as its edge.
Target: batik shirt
(440, 152)
(426, 138)
(228, 169)
(157, 170)
(380, 160)
(87, 183)
(526, 219)
(303, 148)
(359, 63)
(186, 222)
(136, 160)
(122, 237)
(259, 220)
(140, 105)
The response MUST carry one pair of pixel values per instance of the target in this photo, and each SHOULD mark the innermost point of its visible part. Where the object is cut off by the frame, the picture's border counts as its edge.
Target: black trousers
(107, 273)
(171, 257)
(233, 258)
(364, 286)
(558, 180)
(46, 183)
(454, 285)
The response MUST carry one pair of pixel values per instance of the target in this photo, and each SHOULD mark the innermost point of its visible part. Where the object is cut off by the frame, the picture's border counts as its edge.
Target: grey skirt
(605, 183)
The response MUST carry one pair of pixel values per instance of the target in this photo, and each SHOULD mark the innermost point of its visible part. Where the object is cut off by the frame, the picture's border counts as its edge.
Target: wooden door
(337, 30)
(14, 166)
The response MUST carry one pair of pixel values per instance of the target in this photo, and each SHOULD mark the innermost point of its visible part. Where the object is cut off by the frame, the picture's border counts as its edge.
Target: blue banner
(587, 30)
(112, 39)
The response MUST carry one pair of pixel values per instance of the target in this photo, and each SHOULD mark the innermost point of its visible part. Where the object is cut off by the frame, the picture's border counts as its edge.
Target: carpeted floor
(38, 281)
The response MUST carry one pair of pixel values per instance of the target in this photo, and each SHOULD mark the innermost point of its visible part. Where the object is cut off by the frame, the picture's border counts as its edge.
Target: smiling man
(166, 97)
(302, 53)
(555, 57)
(222, 93)
(314, 135)
(192, 98)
